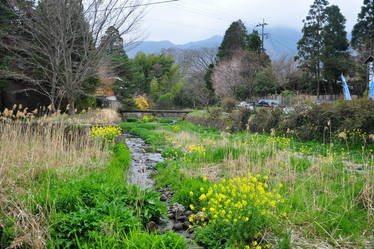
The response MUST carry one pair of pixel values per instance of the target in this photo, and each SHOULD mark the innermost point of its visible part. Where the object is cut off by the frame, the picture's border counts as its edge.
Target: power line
(146, 4)
(137, 5)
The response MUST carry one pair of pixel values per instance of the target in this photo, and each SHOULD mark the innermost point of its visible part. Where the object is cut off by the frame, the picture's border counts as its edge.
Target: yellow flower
(202, 197)
(204, 179)
(191, 193)
(192, 207)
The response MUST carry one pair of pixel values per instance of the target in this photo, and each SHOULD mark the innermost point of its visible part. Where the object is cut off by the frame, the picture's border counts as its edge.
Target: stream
(140, 173)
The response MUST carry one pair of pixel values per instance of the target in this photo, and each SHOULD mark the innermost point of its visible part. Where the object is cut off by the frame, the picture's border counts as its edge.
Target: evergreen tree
(363, 31)
(310, 45)
(254, 42)
(115, 41)
(335, 55)
(154, 89)
(235, 38)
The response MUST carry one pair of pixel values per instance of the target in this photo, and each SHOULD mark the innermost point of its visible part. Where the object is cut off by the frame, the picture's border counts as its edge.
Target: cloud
(191, 20)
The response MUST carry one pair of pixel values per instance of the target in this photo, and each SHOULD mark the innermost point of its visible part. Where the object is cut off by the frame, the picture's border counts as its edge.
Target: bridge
(158, 113)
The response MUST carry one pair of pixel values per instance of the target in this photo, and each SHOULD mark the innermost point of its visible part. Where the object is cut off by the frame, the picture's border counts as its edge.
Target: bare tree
(238, 72)
(60, 45)
(287, 72)
(195, 92)
(193, 60)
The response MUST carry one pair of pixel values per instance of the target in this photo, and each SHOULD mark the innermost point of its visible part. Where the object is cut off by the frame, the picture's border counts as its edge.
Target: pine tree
(113, 37)
(254, 42)
(335, 55)
(363, 31)
(235, 38)
(310, 45)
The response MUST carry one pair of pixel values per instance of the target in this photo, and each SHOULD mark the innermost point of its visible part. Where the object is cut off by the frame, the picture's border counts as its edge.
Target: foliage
(156, 75)
(323, 49)
(144, 132)
(165, 99)
(265, 119)
(265, 83)
(115, 42)
(137, 238)
(228, 104)
(254, 42)
(147, 119)
(131, 119)
(142, 103)
(335, 54)
(362, 34)
(189, 190)
(310, 45)
(241, 206)
(98, 204)
(106, 134)
(173, 153)
(165, 120)
(235, 38)
(85, 103)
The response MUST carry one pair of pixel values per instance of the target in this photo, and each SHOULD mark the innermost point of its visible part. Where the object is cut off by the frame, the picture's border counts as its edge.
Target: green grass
(93, 209)
(321, 196)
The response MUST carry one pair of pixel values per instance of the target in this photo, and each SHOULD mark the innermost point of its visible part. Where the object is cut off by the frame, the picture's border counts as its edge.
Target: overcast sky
(191, 20)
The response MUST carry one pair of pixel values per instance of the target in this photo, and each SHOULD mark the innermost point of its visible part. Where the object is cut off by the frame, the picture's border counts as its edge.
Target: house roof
(369, 59)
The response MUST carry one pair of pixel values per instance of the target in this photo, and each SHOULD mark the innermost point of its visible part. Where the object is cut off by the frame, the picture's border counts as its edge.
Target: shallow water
(140, 173)
(142, 163)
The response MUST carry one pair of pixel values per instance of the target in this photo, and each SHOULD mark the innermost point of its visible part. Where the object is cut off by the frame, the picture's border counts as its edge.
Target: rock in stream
(140, 173)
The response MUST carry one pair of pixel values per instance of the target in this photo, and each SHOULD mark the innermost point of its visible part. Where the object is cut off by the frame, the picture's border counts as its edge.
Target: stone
(188, 213)
(163, 198)
(151, 226)
(182, 218)
(178, 226)
(171, 216)
(186, 224)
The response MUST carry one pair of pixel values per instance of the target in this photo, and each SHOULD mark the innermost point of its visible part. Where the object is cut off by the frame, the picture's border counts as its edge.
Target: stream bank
(140, 173)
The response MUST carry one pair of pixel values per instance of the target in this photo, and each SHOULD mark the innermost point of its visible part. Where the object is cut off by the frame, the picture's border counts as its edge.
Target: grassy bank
(325, 199)
(60, 188)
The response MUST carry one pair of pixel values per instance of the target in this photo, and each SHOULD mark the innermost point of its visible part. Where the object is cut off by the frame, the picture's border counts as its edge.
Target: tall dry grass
(30, 149)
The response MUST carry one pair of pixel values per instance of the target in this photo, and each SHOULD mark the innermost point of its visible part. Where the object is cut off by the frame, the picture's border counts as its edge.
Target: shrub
(106, 134)
(142, 102)
(165, 120)
(228, 104)
(131, 119)
(86, 102)
(329, 119)
(240, 119)
(165, 99)
(171, 152)
(147, 119)
(189, 190)
(241, 207)
(265, 119)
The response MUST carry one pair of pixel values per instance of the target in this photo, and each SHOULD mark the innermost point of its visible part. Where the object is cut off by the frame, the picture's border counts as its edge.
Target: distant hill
(281, 41)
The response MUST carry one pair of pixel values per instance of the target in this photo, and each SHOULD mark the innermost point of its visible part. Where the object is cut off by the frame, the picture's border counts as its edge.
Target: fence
(300, 98)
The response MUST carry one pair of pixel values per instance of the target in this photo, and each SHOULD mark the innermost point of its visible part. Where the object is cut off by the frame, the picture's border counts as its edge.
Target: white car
(245, 105)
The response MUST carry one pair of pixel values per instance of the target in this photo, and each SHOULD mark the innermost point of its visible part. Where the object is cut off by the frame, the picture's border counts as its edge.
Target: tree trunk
(71, 102)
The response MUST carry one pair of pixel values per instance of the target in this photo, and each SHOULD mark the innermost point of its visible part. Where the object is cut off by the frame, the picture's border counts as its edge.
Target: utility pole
(263, 34)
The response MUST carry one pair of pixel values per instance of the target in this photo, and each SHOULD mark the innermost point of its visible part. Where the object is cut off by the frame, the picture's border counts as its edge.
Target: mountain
(155, 47)
(281, 41)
